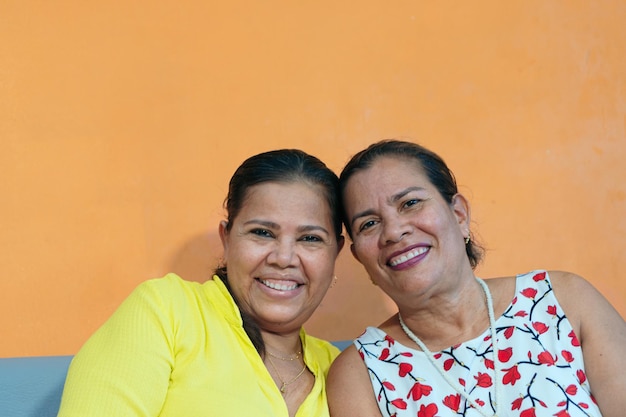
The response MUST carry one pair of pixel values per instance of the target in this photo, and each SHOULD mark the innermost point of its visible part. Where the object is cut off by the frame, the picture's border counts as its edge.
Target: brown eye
(367, 225)
(411, 202)
(261, 232)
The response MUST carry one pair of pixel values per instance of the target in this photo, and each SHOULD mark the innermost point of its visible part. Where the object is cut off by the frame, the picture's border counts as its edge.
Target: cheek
(365, 252)
(320, 264)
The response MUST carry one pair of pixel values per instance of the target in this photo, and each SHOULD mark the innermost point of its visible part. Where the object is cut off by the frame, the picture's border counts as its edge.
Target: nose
(283, 254)
(394, 230)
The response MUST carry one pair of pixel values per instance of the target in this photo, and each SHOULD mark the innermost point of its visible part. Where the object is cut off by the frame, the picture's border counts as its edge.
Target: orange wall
(121, 122)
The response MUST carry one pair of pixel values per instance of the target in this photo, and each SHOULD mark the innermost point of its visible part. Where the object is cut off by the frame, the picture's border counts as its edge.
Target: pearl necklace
(457, 387)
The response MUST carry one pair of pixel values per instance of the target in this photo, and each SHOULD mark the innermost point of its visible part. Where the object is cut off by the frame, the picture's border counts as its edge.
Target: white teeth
(279, 287)
(412, 254)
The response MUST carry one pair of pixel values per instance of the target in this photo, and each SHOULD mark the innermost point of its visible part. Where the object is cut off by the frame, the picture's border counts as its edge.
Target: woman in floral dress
(542, 343)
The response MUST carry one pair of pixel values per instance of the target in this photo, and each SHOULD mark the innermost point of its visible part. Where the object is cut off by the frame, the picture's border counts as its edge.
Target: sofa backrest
(32, 387)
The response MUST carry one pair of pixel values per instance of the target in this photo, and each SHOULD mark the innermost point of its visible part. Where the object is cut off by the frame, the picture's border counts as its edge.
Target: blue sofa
(32, 387)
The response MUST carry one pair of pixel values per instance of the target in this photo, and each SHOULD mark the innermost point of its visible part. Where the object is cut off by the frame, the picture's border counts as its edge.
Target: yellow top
(178, 348)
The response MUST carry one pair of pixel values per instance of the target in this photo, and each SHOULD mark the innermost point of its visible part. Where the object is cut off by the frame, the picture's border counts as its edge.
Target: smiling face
(280, 252)
(405, 234)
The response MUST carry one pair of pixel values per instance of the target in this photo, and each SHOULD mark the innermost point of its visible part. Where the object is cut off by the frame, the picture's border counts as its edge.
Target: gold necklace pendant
(283, 387)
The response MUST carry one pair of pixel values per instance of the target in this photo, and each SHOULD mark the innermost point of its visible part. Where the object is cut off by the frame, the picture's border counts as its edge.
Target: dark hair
(433, 165)
(278, 166)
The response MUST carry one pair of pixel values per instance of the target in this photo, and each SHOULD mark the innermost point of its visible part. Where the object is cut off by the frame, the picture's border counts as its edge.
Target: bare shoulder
(578, 297)
(586, 308)
(348, 380)
(348, 366)
(346, 359)
(568, 280)
(602, 334)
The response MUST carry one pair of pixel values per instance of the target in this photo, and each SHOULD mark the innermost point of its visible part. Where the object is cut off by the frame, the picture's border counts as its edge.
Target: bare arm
(349, 388)
(602, 333)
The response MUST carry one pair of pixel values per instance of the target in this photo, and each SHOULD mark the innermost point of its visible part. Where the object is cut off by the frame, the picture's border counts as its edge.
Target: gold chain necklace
(283, 387)
(458, 388)
(285, 358)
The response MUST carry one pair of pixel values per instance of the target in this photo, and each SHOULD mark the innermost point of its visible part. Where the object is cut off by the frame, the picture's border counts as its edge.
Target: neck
(448, 319)
(282, 344)
(454, 384)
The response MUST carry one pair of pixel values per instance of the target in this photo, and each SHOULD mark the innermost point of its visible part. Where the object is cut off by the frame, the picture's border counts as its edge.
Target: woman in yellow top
(234, 345)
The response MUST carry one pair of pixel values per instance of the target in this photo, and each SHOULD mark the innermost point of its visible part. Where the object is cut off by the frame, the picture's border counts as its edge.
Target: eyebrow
(273, 225)
(394, 198)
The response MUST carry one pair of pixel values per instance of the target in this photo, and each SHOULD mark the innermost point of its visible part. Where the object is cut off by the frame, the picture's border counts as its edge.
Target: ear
(340, 242)
(354, 255)
(461, 209)
(224, 236)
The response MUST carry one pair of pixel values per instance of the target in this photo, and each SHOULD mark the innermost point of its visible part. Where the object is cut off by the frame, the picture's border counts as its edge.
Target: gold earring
(467, 240)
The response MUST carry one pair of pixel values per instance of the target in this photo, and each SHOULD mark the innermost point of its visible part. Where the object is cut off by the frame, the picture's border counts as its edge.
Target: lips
(280, 286)
(407, 256)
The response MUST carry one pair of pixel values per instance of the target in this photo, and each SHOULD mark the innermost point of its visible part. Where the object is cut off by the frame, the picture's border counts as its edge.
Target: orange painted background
(122, 121)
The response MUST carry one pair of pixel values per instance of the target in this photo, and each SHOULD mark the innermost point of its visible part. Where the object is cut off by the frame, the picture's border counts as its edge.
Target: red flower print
(428, 410)
(399, 403)
(584, 405)
(405, 368)
(539, 277)
(529, 412)
(514, 300)
(575, 341)
(437, 355)
(407, 354)
(452, 402)
(488, 364)
(480, 402)
(562, 413)
(567, 355)
(361, 354)
(390, 340)
(551, 310)
(389, 386)
(418, 390)
(521, 313)
(511, 376)
(546, 358)
(517, 404)
(540, 327)
(529, 292)
(462, 382)
(384, 354)
(509, 332)
(505, 354)
(581, 376)
(483, 380)
(571, 389)
(448, 364)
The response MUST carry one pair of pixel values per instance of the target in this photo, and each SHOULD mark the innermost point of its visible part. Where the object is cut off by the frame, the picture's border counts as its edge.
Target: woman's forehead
(389, 170)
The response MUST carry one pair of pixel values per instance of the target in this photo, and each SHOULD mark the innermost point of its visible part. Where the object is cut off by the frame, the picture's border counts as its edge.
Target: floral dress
(540, 365)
